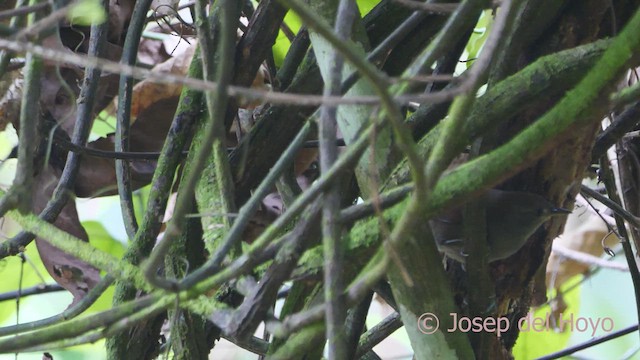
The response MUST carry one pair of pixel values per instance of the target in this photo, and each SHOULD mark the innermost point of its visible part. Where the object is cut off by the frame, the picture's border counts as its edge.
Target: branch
(69, 313)
(22, 10)
(29, 116)
(80, 249)
(245, 94)
(555, 73)
(586, 258)
(76, 327)
(212, 135)
(590, 343)
(336, 312)
(443, 8)
(34, 290)
(123, 115)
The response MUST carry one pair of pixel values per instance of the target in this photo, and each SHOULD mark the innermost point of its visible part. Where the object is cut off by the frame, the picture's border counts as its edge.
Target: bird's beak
(558, 211)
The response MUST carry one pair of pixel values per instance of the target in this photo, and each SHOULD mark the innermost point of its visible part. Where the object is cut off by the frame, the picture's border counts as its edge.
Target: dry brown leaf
(153, 108)
(152, 51)
(97, 175)
(71, 273)
(149, 93)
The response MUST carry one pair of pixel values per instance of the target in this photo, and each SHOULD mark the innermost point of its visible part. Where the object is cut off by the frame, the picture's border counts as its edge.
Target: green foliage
(87, 12)
(41, 306)
(585, 300)
(101, 239)
(281, 47)
(33, 273)
(76, 353)
(533, 343)
(140, 198)
(103, 125)
(366, 5)
(479, 36)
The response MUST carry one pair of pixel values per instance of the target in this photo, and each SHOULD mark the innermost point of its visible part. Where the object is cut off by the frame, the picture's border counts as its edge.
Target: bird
(511, 218)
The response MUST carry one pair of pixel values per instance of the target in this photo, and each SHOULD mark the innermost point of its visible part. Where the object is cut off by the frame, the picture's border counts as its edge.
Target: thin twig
(16, 23)
(123, 116)
(251, 206)
(617, 208)
(609, 182)
(45, 23)
(348, 158)
(356, 324)
(213, 134)
(378, 333)
(65, 144)
(626, 95)
(81, 130)
(589, 343)
(29, 116)
(624, 122)
(447, 37)
(261, 298)
(336, 312)
(34, 290)
(78, 326)
(22, 10)
(441, 8)
(587, 259)
(378, 80)
(368, 208)
(69, 313)
(247, 94)
(404, 141)
(184, 121)
(448, 145)
(381, 51)
(78, 248)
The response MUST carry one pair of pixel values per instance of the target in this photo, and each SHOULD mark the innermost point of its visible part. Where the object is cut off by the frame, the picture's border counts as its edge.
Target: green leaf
(540, 340)
(366, 5)
(87, 12)
(10, 269)
(100, 238)
(479, 36)
(281, 47)
(103, 125)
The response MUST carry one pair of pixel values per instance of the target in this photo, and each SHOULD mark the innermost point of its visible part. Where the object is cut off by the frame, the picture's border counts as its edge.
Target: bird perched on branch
(511, 216)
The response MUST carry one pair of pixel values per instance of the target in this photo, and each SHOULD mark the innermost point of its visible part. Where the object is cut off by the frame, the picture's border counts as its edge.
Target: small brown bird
(512, 217)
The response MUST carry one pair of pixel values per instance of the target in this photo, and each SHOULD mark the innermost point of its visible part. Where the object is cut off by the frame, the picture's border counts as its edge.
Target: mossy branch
(80, 249)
